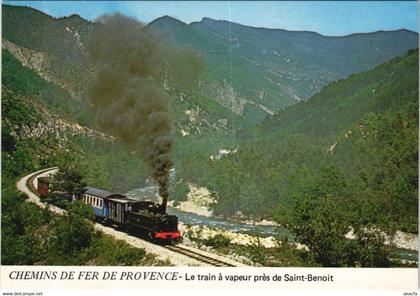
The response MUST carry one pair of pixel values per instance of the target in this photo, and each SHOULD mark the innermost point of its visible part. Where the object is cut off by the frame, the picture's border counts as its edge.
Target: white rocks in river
(406, 240)
(235, 238)
(401, 240)
(198, 201)
(263, 222)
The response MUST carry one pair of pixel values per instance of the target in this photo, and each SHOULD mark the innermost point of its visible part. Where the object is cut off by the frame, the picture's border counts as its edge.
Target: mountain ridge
(254, 72)
(212, 20)
(75, 15)
(277, 57)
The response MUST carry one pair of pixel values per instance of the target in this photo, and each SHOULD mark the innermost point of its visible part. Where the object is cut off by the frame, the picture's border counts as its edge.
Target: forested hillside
(34, 136)
(358, 135)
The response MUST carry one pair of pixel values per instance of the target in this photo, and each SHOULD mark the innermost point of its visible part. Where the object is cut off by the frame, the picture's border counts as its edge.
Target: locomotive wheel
(151, 237)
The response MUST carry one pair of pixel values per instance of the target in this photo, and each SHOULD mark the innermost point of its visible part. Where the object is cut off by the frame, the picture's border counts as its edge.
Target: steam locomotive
(139, 217)
(136, 217)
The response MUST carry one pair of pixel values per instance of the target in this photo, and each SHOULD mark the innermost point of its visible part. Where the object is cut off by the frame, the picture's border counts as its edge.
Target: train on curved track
(138, 217)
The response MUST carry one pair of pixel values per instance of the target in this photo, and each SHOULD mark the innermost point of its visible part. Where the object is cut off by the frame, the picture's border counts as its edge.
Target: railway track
(196, 255)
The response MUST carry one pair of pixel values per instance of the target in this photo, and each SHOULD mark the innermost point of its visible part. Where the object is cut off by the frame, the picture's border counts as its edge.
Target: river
(150, 193)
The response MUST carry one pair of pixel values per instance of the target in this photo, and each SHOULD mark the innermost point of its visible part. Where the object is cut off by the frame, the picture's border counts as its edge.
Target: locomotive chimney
(164, 203)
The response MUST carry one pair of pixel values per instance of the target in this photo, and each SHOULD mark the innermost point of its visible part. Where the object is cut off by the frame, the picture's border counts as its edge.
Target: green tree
(387, 144)
(68, 182)
(322, 218)
(71, 233)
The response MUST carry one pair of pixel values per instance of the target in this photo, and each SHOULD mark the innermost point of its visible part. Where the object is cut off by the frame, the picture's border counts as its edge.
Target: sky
(331, 18)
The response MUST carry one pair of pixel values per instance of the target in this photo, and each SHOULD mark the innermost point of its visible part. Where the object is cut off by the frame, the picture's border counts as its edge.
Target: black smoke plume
(126, 91)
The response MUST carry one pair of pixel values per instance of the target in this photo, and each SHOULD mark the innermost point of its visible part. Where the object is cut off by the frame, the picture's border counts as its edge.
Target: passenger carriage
(133, 215)
(107, 205)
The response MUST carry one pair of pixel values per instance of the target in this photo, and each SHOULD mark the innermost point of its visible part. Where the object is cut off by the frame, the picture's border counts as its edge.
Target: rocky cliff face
(55, 49)
(224, 93)
(43, 64)
(48, 126)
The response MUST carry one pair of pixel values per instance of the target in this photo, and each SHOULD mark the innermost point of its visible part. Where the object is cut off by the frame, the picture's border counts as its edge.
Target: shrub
(217, 241)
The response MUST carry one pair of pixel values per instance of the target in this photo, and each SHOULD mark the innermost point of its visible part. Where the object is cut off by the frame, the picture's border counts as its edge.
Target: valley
(268, 125)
